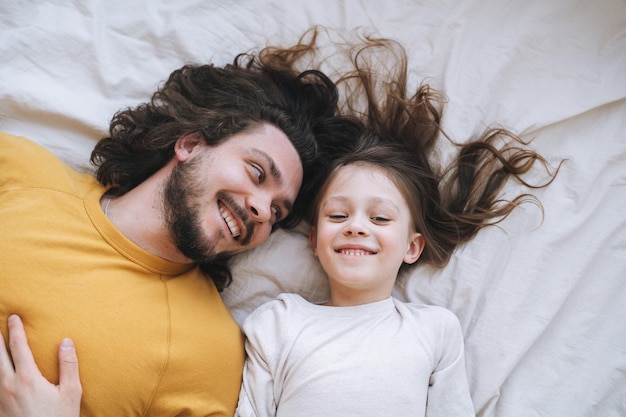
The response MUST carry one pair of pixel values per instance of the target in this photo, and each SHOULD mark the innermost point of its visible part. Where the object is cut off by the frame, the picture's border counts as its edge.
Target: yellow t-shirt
(153, 337)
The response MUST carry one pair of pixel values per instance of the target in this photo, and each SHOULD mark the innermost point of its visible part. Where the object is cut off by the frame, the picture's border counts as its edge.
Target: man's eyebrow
(274, 171)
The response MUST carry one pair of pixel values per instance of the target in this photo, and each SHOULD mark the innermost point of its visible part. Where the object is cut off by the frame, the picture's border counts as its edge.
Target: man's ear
(186, 145)
(416, 246)
(313, 239)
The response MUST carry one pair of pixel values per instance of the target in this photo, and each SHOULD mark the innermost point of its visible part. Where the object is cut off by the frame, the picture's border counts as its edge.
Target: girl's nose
(355, 227)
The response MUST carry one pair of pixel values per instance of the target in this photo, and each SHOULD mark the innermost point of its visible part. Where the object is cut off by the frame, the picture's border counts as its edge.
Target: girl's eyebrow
(386, 202)
(375, 200)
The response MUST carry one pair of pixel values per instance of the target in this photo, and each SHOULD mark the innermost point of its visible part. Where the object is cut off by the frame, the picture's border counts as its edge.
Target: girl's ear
(313, 239)
(416, 246)
(185, 146)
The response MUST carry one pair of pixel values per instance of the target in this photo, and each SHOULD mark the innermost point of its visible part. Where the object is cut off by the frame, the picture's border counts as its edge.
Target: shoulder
(282, 308)
(282, 302)
(273, 325)
(27, 163)
(18, 148)
(438, 323)
(440, 316)
(9, 140)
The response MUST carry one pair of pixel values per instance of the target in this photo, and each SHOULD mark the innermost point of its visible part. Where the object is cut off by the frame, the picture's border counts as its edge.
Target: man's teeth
(355, 252)
(232, 226)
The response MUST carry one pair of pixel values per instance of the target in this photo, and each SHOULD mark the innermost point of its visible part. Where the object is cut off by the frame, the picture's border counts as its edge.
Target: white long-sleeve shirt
(386, 358)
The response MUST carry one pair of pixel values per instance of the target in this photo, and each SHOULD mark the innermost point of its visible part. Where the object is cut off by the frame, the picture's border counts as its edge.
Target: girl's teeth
(354, 252)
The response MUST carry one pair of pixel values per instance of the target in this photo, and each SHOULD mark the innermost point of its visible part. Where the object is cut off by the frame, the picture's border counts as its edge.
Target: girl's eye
(337, 216)
(380, 219)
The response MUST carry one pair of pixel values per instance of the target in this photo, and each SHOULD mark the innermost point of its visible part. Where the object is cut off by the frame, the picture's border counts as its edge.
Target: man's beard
(182, 215)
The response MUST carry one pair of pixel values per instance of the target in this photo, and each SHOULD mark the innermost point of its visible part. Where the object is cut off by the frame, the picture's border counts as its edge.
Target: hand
(24, 391)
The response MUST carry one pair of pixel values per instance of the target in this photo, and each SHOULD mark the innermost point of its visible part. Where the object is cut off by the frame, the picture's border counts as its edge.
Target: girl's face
(363, 234)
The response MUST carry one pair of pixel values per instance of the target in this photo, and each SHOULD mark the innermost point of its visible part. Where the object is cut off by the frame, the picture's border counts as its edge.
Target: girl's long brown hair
(386, 124)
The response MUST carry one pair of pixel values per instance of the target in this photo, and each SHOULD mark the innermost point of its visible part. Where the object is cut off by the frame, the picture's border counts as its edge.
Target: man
(121, 264)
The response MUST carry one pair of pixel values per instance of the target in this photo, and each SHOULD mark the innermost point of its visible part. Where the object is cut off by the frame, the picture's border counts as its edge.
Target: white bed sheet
(542, 304)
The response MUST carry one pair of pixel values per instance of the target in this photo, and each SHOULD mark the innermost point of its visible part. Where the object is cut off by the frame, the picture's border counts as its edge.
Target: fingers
(24, 391)
(6, 364)
(69, 381)
(23, 360)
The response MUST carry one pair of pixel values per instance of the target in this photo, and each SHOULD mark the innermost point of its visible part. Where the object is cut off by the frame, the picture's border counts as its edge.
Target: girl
(364, 353)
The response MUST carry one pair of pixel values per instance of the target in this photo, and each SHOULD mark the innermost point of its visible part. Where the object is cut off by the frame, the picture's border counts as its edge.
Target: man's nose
(260, 208)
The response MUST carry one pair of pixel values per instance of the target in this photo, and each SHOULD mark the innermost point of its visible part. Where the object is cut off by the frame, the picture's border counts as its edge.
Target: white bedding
(542, 305)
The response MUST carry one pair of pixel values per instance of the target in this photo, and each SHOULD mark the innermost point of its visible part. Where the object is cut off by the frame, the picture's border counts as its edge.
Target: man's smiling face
(224, 199)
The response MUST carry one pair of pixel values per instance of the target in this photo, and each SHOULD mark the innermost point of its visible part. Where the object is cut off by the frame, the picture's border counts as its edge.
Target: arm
(264, 336)
(256, 396)
(24, 392)
(448, 393)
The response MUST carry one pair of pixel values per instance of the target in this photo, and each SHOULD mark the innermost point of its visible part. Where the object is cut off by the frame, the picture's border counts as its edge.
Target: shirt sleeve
(264, 332)
(448, 391)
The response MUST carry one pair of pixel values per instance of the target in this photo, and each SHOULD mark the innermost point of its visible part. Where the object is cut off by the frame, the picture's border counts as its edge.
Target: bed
(541, 298)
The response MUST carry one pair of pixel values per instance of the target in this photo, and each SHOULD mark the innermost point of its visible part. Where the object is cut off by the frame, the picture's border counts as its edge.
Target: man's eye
(277, 213)
(258, 171)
